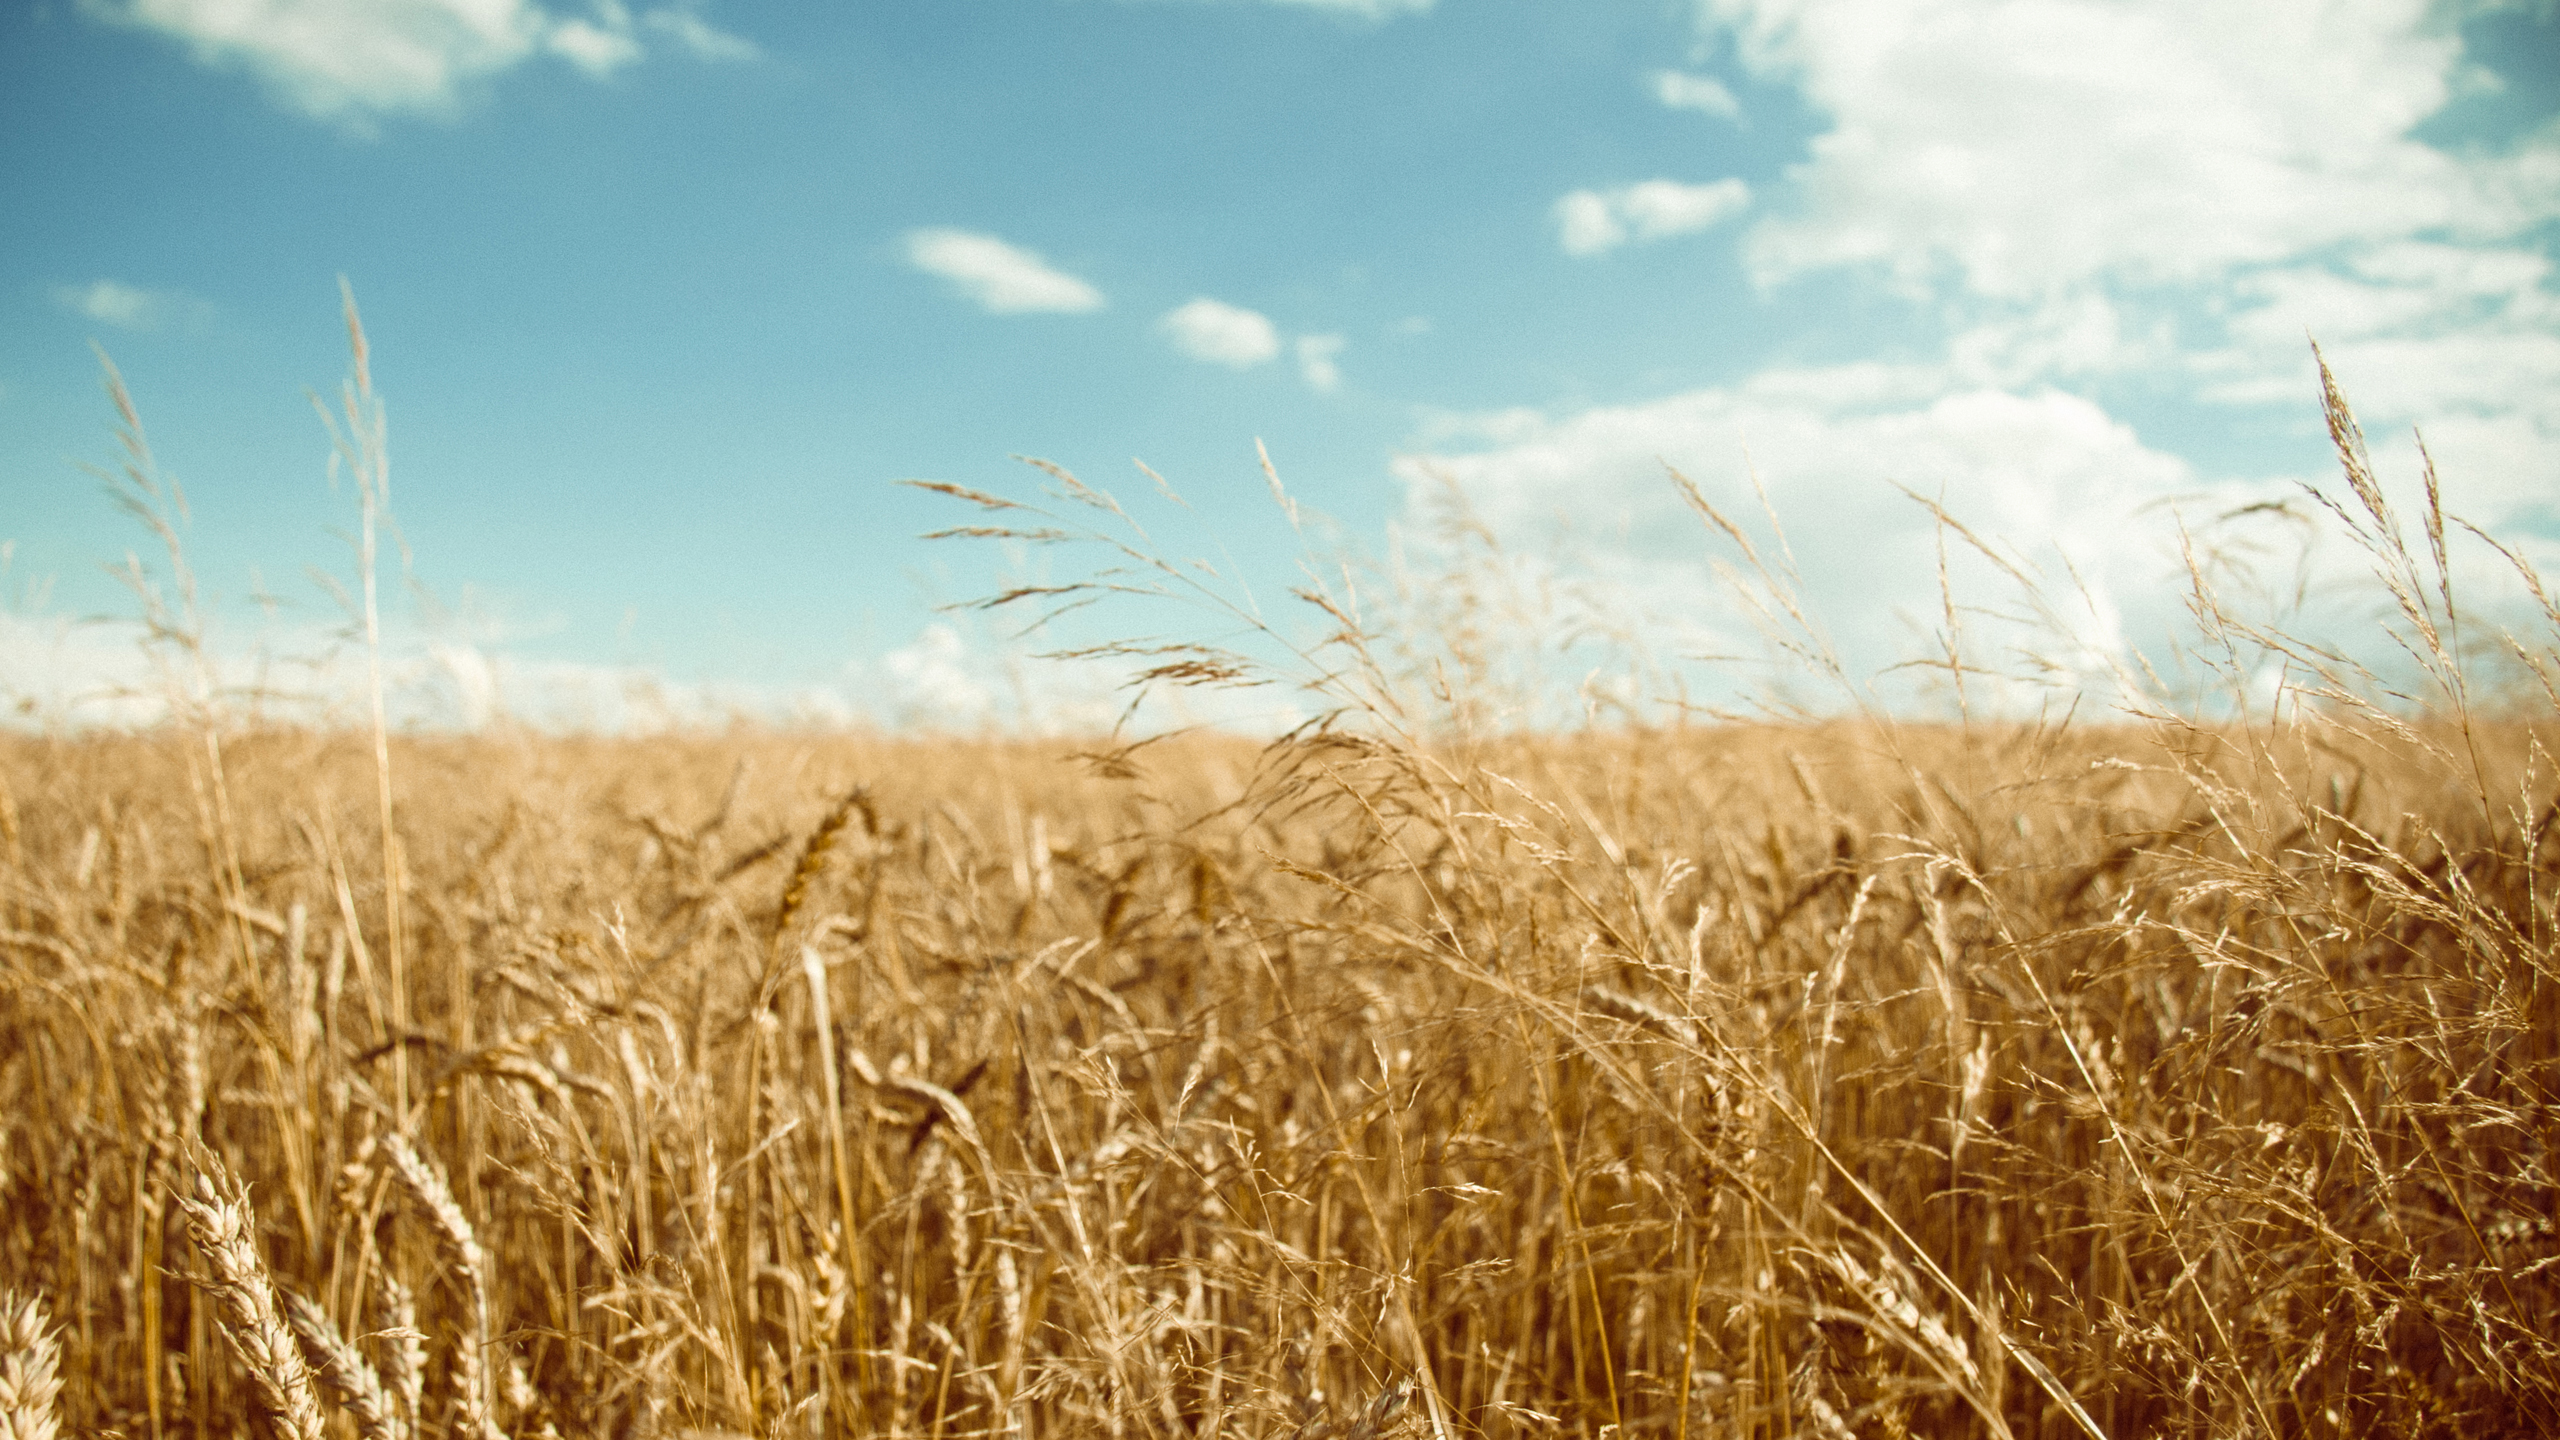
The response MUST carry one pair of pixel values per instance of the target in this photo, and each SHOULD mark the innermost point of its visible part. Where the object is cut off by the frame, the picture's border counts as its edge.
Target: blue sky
(665, 296)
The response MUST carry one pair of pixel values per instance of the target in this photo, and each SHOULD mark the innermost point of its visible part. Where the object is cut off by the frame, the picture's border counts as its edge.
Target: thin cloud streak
(1003, 279)
(1320, 362)
(127, 307)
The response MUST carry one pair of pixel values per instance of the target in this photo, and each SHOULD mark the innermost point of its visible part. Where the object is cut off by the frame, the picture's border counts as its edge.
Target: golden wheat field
(2154, 1077)
(1740, 1081)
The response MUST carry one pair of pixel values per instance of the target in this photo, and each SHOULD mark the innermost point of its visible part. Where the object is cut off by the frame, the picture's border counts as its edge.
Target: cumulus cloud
(1849, 459)
(2168, 190)
(2027, 145)
(1222, 334)
(1319, 361)
(2059, 481)
(2091, 199)
(1593, 222)
(1003, 279)
(1704, 94)
(127, 307)
(2461, 340)
(350, 61)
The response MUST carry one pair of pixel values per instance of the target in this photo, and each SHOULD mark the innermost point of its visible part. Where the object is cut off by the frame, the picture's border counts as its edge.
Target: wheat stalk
(224, 1228)
(344, 1370)
(473, 1411)
(405, 1348)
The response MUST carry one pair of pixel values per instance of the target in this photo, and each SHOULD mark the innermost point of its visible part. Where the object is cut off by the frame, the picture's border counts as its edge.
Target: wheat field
(2166, 1076)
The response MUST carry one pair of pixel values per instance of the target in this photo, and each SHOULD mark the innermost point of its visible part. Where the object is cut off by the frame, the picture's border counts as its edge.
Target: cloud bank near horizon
(2093, 202)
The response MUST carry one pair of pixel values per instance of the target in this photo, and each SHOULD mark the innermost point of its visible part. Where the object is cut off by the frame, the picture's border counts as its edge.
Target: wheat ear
(813, 856)
(405, 1348)
(344, 1370)
(224, 1229)
(1384, 1407)
(472, 1411)
(29, 1354)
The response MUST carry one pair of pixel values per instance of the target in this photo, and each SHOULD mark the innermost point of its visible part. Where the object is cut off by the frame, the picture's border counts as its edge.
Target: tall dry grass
(2162, 1077)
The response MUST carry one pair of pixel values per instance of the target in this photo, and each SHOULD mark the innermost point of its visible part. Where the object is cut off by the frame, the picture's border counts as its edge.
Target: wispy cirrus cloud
(699, 37)
(1593, 222)
(127, 307)
(1320, 362)
(353, 61)
(1003, 279)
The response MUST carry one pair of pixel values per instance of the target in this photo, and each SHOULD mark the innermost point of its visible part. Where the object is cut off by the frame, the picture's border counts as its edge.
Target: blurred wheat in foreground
(2171, 1078)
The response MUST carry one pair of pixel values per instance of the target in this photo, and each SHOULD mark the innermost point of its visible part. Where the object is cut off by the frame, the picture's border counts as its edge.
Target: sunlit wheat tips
(29, 1357)
(224, 1228)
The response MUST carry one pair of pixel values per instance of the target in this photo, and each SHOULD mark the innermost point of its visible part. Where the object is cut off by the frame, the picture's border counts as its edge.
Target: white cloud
(352, 60)
(1319, 361)
(1364, 9)
(1003, 279)
(2083, 158)
(598, 50)
(1369, 10)
(60, 673)
(2461, 341)
(932, 682)
(128, 307)
(2069, 493)
(1588, 224)
(1222, 334)
(2026, 145)
(474, 679)
(2163, 196)
(1658, 208)
(700, 38)
(2049, 474)
(2077, 334)
(1592, 222)
(1701, 93)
